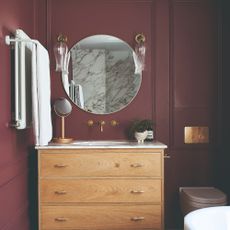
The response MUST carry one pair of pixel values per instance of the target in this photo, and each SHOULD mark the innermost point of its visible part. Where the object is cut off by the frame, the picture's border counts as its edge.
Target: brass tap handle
(114, 123)
(102, 123)
(90, 123)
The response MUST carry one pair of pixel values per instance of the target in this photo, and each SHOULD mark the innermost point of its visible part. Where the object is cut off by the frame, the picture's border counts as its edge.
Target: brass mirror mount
(140, 38)
(62, 38)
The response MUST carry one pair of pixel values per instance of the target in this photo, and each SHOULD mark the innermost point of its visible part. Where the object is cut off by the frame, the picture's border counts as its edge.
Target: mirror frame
(121, 107)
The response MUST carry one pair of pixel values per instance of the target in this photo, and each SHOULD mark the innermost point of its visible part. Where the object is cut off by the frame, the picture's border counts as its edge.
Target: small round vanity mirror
(103, 75)
(62, 108)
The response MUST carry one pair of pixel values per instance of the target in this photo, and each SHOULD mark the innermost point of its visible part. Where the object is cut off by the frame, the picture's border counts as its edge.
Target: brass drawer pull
(60, 166)
(62, 192)
(137, 218)
(137, 191)
(61, 219)
(136, 165)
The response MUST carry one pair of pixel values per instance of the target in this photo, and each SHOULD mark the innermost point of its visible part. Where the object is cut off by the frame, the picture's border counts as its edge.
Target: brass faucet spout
(101, 123)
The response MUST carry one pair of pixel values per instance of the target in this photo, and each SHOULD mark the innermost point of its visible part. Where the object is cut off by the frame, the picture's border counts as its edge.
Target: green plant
(140, 126)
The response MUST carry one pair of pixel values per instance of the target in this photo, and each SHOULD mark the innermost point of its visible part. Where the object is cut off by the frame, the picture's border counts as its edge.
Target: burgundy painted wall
(14, 144)
(193, 98)
(179, 88)
(100, 17)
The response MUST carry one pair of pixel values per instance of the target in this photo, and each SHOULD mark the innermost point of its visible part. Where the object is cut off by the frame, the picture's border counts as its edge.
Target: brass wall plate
(196, 135)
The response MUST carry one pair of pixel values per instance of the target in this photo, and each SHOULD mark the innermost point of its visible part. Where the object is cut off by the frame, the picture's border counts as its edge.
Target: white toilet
(193, 198)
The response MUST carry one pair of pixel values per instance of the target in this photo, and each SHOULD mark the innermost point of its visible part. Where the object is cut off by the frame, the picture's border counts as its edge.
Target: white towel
(35, 95)
(41, 95)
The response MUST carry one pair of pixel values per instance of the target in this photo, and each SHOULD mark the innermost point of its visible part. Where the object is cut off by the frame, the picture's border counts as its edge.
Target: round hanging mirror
(103, 75)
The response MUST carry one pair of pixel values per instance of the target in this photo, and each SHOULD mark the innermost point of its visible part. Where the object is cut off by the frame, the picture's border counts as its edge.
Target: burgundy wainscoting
(14, 144)
(193, 93)
(123, 19)
(179, 88)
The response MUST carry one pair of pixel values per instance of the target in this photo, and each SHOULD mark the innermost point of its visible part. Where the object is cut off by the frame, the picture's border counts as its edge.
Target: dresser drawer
(101, 217)
(97, 164)
(100, 190)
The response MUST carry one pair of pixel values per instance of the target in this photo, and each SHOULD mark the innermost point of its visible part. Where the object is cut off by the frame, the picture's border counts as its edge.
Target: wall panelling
(180, 84)
(14, 199)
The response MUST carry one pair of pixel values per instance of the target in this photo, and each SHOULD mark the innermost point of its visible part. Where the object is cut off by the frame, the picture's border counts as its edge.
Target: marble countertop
(111, 144)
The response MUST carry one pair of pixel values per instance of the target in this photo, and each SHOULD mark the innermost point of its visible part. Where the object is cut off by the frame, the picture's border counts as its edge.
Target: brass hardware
(61, 192)
(117, 165)
(90, 123)
(136, 165)
(167, 156)
(140, 38)
(196, 135)
(137, 191)
(62, 139)
(62, 38)
(60, 166)
(137, 218)
(62, 127)
(61, 219)
(62, 108)
(114, 123)
(101, 123)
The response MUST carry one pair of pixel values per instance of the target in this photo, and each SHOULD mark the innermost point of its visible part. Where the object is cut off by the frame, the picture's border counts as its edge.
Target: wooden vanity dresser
(103, 188)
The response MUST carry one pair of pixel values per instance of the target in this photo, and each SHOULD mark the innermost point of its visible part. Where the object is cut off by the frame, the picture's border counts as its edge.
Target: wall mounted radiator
(21, 116)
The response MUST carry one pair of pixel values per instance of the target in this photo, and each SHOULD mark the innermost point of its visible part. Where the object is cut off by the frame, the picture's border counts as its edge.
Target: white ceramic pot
(150, 135)
(140, 136)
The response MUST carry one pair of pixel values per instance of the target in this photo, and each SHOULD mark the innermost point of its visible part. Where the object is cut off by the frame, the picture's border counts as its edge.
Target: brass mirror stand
(62, 108)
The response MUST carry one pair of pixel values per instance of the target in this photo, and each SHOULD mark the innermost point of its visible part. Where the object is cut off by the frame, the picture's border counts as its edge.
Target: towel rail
(21, 118)
(9, 40)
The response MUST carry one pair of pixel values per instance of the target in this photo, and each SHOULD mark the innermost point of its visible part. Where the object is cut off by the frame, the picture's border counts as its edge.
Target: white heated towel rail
(22, 75)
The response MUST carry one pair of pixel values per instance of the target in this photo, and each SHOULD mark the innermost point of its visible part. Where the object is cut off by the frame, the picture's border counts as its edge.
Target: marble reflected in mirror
(103, 74)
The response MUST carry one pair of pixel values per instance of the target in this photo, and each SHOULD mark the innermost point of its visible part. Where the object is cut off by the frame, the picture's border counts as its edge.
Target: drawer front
(101, 217)
(100, 190)
(100, 164)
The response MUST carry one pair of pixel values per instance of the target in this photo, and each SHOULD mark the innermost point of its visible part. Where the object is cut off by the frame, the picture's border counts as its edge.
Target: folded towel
(43, 95)
(34, 90)
(41, 107)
